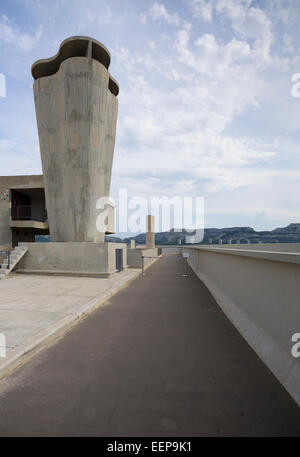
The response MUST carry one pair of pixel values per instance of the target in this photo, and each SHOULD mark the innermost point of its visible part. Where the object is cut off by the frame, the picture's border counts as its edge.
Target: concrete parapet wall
(95, 259)
(167, 250)
(259, 293)
(134, 257)
(274, 247)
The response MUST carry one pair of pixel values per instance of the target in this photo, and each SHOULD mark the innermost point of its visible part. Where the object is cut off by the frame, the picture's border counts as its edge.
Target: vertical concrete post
(150, 234)
(132, 244)
(76, 109)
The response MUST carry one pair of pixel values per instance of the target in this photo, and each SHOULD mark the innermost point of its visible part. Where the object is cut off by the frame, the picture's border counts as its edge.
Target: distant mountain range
(289, 234)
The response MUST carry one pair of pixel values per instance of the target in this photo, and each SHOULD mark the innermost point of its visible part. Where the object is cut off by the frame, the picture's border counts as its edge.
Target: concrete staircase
(15, 256)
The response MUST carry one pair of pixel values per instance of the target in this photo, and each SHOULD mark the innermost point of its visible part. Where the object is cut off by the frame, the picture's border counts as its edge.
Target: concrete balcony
(28, 217)
(36, 225)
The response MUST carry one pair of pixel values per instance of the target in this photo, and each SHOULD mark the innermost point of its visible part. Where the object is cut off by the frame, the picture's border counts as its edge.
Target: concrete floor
(30, 304)
(160, 360)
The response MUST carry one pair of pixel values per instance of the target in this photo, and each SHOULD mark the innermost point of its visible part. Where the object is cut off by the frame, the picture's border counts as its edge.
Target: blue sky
(205, 105)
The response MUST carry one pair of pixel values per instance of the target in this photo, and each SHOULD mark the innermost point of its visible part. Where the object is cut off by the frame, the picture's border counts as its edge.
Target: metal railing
(28, 213)
(5, 255)
(148, 257)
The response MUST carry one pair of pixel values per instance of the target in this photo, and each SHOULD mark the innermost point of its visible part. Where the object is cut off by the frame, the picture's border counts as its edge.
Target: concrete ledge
(17, 356)
(259, 292)
(279, 256)
(70, 273)
(82, 258)
(29, 225)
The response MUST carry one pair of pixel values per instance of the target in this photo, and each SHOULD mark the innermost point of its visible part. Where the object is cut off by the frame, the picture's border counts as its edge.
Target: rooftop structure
(76, 110)
(22, 209)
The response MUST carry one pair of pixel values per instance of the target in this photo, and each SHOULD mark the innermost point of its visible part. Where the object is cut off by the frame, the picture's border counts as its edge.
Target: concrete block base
(72, 259)
(134, 257)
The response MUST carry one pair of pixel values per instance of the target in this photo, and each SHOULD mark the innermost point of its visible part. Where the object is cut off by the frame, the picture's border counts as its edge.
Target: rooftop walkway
(159, 359)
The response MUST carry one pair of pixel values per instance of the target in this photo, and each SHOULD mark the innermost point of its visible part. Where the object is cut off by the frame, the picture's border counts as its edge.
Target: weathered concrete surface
(259, 292)
(22, 182)
(76, 115)
(5, 215)
(169, 250)
(160, 360)
(74, 47)
(150, 232)
(85, 259)
(29, 225)
(273, 247)
(134, 257)
(34, 310)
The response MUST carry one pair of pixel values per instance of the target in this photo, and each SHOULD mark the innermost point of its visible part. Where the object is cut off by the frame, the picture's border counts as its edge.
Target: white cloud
(248, 22)
(10, 34)
(201, 103)
(182, 129)
(287, 44)
(19, 158)
(158, 12)
(202, 9)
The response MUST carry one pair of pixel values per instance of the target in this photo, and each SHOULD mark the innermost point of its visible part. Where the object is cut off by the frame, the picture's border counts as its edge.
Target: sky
(206, 105)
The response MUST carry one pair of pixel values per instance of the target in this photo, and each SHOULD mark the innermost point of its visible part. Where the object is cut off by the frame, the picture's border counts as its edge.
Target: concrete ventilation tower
(150, 234)
(76, 109)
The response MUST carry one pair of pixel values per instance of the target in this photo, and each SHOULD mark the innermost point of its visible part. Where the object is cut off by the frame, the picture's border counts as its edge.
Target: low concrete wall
(274, 247)
(168, 250)
(259, 292)
(86, 259)
(134, 257)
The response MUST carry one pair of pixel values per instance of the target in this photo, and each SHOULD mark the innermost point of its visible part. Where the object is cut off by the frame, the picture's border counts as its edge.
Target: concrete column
(150, 234)
(76, 109)
(5, 215)
(132, 244)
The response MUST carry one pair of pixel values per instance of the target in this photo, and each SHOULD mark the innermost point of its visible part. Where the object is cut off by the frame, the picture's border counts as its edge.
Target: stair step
(15, 256)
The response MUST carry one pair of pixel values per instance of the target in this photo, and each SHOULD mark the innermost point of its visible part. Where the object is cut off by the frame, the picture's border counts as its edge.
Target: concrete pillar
(150, 234)
(76, 109)
(132, 244)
